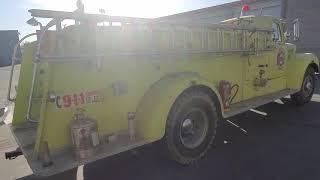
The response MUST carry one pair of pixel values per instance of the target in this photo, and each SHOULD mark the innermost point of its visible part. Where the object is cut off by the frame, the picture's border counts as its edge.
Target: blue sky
(14, 13)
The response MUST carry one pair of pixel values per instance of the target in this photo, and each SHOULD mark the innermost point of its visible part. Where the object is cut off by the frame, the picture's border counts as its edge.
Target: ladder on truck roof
(62, 15)
(151, 24)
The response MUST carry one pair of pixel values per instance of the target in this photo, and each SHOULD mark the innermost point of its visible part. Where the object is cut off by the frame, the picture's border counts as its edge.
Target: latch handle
(262, 66)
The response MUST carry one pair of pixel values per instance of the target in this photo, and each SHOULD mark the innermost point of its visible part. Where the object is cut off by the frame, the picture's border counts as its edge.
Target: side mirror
(296, 30)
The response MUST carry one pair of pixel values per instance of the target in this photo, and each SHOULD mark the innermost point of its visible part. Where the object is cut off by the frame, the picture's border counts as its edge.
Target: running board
(244, 106)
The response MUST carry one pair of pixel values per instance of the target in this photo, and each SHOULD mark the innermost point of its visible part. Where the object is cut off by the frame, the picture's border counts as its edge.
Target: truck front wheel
(307, 88)
(191, 126)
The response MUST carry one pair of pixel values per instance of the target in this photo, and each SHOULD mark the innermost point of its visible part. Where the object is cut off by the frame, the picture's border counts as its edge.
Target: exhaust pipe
(13, 154)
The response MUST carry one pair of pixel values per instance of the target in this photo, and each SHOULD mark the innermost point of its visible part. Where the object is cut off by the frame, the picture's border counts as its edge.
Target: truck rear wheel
(307, 88)
(191, 126)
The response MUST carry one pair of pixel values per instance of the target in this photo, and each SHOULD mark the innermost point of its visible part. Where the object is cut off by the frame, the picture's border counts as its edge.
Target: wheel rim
(194, 128)
(308, 86)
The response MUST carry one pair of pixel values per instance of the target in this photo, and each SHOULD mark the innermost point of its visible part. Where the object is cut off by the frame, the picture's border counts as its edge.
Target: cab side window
(276, 32)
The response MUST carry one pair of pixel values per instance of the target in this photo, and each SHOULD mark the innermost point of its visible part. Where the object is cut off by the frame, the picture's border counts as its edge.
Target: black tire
(192, 104)
(307, 88)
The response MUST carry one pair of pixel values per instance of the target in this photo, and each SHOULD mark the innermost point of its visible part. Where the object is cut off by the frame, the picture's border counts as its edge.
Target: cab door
(277, 59)
(256, 67)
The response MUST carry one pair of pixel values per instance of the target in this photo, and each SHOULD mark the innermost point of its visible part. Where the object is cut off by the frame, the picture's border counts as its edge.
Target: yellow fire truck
(106, 84)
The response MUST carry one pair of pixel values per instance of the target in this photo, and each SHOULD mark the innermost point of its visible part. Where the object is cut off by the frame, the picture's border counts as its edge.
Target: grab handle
(13, 61)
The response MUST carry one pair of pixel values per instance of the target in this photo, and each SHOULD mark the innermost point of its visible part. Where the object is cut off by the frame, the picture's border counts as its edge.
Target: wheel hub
(308, 86)
(194, 128)
(187, 126)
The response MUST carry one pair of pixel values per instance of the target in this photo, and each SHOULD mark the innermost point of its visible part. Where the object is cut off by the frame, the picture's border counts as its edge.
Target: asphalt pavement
(279, 141)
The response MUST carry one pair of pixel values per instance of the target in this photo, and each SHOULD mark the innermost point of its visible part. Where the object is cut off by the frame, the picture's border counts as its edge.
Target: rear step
(61, 160)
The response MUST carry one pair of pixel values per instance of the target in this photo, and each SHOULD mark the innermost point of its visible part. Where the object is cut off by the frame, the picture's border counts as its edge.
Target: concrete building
(8, 40)
(307, 11)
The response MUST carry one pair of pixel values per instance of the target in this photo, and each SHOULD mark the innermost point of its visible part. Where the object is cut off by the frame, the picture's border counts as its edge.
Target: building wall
(8, 40)
(207, 15)
(217, 14)
(308, 12)
(266, 8)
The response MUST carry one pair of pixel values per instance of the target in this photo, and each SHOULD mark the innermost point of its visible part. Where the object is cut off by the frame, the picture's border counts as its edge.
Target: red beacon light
(245, 8)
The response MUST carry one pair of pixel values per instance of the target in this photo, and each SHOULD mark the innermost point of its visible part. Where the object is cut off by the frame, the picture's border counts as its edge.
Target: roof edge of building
(220, 6)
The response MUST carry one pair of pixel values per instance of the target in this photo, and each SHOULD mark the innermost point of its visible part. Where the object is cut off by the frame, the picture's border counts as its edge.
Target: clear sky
(14, 13)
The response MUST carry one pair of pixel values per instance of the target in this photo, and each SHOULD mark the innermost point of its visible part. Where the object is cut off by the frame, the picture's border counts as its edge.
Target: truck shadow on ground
(280, 143)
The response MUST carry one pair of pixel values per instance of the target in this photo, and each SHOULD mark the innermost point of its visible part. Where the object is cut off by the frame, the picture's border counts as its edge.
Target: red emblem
(281, 58)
